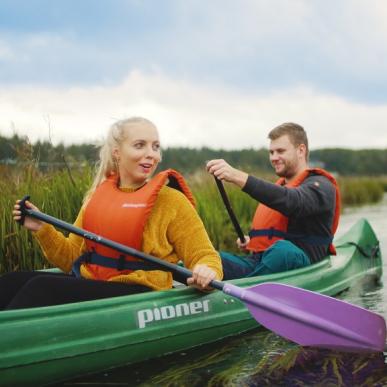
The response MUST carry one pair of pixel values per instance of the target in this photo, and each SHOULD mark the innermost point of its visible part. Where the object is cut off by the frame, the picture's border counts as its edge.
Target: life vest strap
(112, 263)
(313, 240)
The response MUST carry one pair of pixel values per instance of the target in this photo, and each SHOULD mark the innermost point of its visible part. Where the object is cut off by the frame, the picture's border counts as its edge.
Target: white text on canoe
(147, 316)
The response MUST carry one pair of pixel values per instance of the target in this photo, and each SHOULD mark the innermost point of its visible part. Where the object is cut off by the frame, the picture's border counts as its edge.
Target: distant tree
(346, 162)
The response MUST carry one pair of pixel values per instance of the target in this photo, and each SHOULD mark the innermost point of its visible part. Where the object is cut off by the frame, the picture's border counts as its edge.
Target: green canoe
(45, 345)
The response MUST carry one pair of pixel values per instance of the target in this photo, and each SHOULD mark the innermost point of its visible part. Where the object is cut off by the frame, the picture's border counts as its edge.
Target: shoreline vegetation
(58, 181)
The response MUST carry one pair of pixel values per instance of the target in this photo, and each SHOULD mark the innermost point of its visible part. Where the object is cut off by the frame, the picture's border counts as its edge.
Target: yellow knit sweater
(173, 231)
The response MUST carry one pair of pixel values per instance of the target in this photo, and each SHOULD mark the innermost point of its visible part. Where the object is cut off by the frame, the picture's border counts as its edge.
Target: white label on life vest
(134, 205)
(147, 316)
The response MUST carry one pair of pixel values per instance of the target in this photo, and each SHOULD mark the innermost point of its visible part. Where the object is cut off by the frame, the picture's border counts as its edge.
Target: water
(261, 358)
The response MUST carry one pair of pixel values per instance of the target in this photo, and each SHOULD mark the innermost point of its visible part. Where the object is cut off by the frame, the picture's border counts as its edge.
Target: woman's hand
(202, 275)
(29, 223)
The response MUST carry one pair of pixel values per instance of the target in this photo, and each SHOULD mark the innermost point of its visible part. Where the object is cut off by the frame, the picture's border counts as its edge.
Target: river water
(261, 358)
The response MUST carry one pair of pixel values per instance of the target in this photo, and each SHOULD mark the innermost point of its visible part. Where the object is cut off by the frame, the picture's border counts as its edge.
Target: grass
(54, 193)
(60, 194)
(356, 191)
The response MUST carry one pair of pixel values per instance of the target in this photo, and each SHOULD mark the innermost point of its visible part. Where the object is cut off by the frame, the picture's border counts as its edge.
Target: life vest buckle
(121, 262)
(87, 257)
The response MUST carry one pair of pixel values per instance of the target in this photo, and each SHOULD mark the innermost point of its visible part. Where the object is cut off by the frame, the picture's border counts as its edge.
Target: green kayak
(46, 345)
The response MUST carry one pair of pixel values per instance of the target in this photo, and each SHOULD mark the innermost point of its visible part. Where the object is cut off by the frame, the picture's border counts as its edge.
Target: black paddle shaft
(107, 242)
(229, 209)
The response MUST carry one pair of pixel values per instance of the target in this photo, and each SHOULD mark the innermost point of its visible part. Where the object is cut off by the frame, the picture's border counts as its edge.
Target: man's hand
(224, 171)
(241, 245)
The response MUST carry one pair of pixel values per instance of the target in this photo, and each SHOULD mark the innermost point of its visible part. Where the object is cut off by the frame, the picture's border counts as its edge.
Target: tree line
(346, 162)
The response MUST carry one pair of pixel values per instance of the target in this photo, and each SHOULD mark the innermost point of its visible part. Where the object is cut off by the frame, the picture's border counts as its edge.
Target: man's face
(285, 158)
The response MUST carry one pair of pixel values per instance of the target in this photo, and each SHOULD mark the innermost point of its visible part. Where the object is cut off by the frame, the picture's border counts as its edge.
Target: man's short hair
(296, 133)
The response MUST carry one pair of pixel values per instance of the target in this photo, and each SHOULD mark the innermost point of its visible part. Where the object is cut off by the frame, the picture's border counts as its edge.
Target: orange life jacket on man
(269, 225)
(121, 217)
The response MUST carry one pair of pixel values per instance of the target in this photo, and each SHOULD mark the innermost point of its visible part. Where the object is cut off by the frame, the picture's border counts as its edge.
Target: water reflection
(255, 359)
(306, 367)
(367, 294)
(260, 358)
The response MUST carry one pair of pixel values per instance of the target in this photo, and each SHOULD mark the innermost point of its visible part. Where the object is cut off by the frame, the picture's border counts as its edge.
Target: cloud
(258, 47)
(190, 113)
(6, 53)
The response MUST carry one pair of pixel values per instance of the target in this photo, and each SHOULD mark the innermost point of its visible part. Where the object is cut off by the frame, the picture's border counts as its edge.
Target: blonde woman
(125, 204)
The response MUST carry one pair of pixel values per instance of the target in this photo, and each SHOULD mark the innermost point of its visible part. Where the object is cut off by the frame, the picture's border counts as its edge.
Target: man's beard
(287, 171)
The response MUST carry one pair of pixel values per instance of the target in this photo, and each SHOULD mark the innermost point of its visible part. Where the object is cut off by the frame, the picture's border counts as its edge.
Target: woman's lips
(146, 167)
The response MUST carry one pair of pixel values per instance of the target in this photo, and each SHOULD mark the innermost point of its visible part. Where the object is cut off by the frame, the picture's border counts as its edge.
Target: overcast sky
(215, 73)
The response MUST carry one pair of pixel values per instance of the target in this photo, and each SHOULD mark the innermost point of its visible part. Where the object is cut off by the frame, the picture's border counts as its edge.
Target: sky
(215, 73)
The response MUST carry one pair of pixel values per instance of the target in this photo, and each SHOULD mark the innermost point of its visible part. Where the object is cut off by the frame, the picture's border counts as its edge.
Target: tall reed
(356, 191)
(59, 194)
(54, 193)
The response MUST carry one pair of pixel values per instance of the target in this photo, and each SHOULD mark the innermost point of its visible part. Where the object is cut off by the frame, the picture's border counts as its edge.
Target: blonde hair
(107, 165)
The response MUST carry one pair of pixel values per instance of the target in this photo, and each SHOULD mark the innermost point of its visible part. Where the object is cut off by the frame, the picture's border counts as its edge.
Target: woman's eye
(156, 147)
(138, 145)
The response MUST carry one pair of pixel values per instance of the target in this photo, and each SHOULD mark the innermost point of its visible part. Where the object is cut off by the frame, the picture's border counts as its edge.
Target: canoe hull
(44, 345)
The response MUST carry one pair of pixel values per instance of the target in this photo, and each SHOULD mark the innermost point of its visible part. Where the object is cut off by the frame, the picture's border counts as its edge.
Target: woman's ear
(116, 154)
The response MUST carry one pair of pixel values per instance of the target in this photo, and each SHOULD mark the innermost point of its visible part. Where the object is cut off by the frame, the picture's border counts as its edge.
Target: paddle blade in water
(312, 319)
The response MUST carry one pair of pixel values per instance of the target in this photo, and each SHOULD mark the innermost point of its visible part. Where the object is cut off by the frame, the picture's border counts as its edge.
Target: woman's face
(138, 155)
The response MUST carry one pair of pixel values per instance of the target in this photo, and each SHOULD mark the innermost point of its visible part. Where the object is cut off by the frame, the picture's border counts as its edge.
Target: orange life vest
(270, 225)
(121, 217)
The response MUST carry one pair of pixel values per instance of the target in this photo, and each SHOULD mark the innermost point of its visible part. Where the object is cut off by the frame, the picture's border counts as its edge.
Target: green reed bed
(60, 194)
(54, 193)
(356, 191)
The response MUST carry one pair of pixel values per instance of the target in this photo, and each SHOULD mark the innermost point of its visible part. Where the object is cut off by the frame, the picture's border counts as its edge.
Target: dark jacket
(309, 207)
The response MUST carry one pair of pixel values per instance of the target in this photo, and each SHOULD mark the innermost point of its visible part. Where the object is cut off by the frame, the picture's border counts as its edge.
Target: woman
(124, 205)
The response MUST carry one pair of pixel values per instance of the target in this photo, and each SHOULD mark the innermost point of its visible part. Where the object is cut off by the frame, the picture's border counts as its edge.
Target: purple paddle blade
(312, 319)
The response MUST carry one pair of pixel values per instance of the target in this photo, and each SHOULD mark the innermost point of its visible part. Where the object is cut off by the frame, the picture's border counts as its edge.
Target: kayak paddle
(229, 209)
(303, 316)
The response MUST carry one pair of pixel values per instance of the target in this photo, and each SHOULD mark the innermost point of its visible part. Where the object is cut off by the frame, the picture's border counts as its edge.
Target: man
(297, 217)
